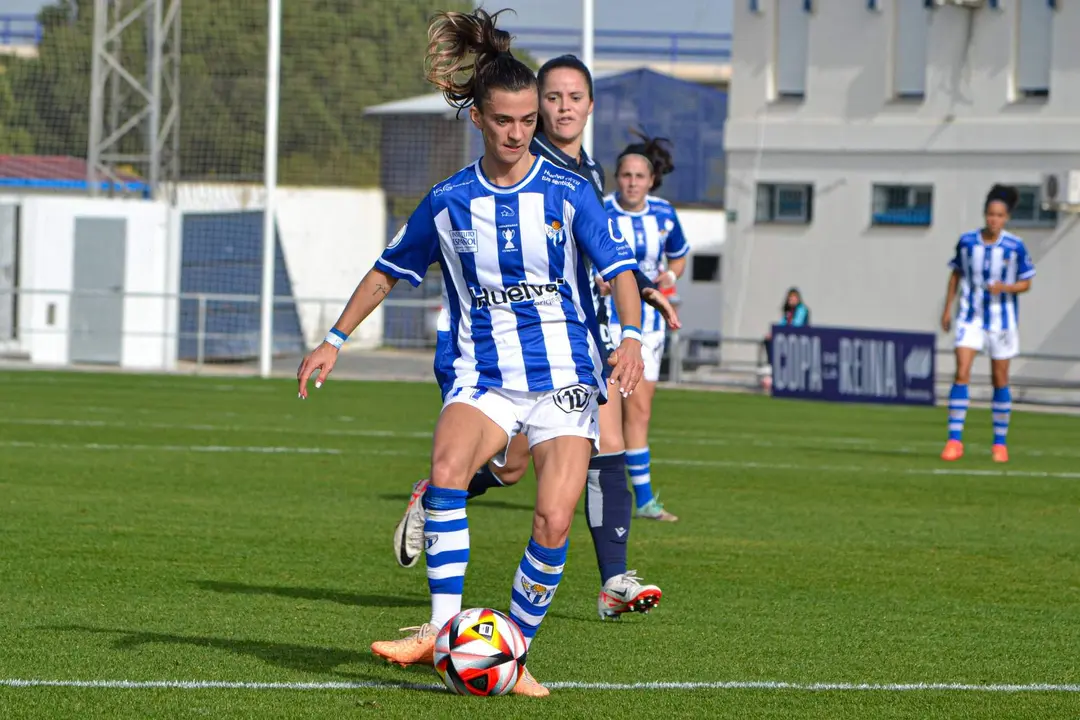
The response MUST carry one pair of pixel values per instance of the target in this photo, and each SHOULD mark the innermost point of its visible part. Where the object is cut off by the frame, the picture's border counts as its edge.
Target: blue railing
(673, 46)
(19, 29)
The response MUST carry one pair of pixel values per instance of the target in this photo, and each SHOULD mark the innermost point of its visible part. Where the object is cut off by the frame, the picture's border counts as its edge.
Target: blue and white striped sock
(638, 463)
(535, 582)
(958, 407)
(1001, 407)
(446, 549)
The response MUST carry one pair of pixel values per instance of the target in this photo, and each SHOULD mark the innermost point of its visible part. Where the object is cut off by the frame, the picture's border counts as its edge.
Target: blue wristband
(629, 332)
(336, 338)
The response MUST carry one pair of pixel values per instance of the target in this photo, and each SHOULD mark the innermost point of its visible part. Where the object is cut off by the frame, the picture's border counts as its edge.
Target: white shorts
(1003, 344)
(652, 349)
(571, 411)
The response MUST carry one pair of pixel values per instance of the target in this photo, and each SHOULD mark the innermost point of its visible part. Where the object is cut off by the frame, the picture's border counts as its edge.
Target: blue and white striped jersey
(979, 264)
(516, 284)
(656, 234)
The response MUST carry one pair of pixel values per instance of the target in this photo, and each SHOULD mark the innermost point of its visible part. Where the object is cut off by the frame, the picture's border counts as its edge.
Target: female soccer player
(566, 100)
(517, 294)
(658, 236)
(990, 268)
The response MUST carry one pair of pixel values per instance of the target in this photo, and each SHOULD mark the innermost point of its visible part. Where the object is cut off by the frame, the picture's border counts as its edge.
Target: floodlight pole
(273, 82)
(588, 51)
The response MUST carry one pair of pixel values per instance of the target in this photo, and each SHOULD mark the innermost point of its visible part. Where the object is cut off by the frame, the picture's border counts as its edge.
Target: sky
(712, 16)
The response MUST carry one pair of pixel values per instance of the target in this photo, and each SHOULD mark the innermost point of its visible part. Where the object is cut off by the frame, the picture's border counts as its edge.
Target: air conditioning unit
(960, 3)
(1061, 188)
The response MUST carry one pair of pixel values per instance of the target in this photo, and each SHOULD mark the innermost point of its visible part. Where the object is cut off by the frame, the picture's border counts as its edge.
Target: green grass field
(194, 529)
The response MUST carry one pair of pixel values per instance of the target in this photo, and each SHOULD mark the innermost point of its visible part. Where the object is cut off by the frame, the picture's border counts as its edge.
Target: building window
(705, 268)
(784, 203)
(792, 48)
(903, 204)
(910, 30)
(1033, 49)
(1029, 211)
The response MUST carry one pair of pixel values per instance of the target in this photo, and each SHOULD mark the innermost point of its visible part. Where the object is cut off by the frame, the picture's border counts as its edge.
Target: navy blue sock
(483, 481)
(608, 507)
(1002, 409)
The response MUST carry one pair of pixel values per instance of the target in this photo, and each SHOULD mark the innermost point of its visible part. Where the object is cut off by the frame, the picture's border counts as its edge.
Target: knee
(551, 526)
(446, 472)
(963, 373)
(611, 440)
(640, 416)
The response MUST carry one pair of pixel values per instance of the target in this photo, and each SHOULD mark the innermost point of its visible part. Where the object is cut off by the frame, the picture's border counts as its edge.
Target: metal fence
(397, 343)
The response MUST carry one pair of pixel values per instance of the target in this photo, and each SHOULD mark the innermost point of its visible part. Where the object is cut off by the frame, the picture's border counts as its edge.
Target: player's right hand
(318, 364)
(628, 367)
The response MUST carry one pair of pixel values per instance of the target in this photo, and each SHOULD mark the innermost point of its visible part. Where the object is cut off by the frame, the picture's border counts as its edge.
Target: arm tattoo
(380, 288)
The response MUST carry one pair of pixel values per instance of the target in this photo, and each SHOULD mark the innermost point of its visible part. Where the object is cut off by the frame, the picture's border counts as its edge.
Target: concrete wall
(848, 133)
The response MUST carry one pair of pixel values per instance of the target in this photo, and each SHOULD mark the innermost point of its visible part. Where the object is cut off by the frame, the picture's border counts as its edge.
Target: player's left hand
(659, 301)
(996, 288)
(628, 366)
(318, 363)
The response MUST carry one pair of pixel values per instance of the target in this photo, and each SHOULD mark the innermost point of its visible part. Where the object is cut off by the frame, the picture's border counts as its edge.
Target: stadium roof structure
(59, 172)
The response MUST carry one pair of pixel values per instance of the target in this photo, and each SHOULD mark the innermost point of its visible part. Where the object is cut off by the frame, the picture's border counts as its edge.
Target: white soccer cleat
(654, 510)
(409, 533)
(625, 593)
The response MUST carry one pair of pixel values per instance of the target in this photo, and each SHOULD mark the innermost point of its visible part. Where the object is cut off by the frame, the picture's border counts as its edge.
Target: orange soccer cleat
(999, 453)
(954, 450)
(416, 649)
(528, 686)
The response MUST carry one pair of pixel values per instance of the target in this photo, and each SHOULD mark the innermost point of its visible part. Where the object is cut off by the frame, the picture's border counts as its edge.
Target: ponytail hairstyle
(452, 38)
(1005, 194)
(572, 62)
(656, 150)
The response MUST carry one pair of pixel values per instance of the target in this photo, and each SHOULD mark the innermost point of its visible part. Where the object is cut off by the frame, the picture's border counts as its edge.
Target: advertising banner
(853, 365)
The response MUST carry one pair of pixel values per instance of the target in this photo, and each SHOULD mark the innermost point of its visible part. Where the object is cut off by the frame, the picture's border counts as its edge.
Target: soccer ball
(480, 652)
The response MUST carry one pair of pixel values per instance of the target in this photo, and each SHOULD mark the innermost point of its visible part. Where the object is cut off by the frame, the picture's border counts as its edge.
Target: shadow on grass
(304, 593)
(303, 658)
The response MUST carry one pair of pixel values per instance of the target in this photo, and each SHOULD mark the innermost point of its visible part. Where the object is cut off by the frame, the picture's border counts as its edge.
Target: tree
(13, 140)
(338, 57)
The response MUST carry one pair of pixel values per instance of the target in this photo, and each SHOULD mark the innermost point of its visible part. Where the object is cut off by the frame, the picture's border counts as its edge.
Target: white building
(861, 140)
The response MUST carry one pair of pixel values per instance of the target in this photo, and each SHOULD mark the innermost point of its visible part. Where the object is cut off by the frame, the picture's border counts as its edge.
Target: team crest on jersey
(555, 232)
(669, 225)
(464, 240)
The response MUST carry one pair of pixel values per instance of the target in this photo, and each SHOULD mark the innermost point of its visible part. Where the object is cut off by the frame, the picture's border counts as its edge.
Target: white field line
(662, 437)
(569, 685)
(734, 464)
(29, 445)
(863, 469)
